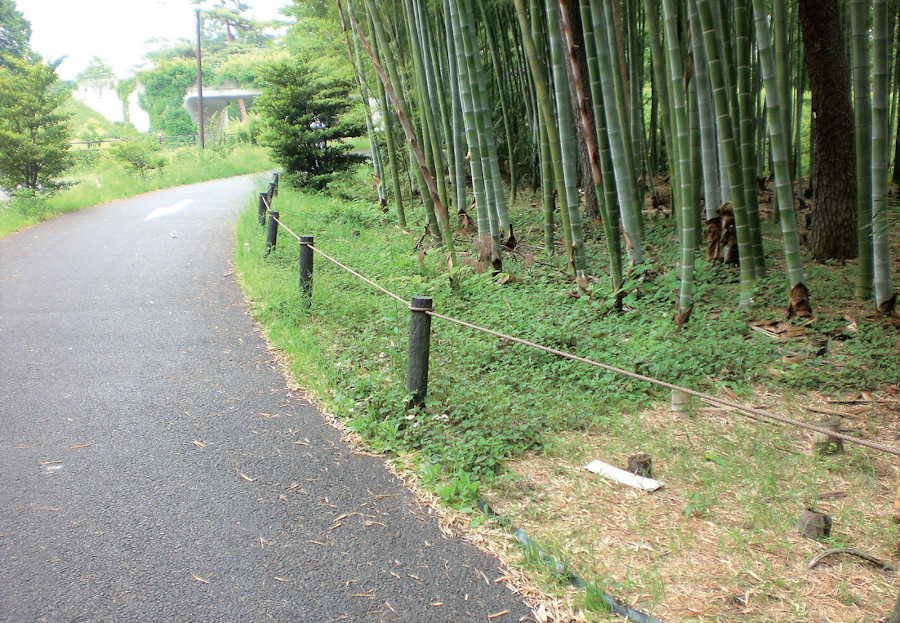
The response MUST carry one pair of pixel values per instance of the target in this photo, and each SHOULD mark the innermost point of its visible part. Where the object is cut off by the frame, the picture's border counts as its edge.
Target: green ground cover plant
(514, 426)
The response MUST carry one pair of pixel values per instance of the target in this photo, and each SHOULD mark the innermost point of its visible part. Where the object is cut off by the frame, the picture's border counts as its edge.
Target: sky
(115, 30)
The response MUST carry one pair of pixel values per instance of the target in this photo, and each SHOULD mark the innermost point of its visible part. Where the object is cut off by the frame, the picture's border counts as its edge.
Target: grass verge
(514, 425)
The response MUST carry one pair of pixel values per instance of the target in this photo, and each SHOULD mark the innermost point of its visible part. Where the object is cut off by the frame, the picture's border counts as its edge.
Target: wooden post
(419, 347)
(826, 444)
(270, 192)
(272, 232)
(263, 208)
(306, 269)
(275, 181)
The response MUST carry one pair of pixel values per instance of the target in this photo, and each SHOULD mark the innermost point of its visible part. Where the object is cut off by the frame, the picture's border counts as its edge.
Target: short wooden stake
(272, 232)
(419, 347)
(306, 269)
(263, 208)
(275, 181)
(814, 525)
(641, 465)
(270, 192)
(826, 444)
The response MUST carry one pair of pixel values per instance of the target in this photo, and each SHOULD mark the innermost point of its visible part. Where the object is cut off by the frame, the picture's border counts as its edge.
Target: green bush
(142, 155)
(306, 117)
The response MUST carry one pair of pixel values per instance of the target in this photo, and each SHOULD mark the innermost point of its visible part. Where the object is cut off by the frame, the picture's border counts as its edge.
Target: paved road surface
(153, 466)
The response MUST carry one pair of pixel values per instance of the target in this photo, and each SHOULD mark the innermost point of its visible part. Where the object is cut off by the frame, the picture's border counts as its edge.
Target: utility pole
(200, 86)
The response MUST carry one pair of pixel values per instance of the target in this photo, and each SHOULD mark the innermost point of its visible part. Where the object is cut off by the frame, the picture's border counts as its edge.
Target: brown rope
(713, 399)
(748, 411)
(348, 269)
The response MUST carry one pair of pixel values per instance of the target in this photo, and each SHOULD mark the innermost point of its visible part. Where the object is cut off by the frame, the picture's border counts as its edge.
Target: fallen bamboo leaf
(48, 508)
(368, 593)
(437, 604)
(201, 580)
(247, 478)
(498, 614)
(199, 444)
(277, 579)
(84, 445)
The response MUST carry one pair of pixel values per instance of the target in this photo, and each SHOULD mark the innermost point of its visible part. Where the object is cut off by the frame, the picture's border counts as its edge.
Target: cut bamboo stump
(813, 525)
(818, 345)
(681, 401)
(826, 444)
(641, 465)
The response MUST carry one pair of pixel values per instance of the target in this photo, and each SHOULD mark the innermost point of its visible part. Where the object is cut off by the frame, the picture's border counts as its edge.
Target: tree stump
(641, 465)
(813, 525)
(826, 444)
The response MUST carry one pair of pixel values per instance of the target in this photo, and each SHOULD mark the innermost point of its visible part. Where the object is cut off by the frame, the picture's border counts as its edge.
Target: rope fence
(421, 307)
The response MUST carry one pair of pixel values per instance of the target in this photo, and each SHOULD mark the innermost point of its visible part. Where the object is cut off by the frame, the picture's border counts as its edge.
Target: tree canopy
(34, 131)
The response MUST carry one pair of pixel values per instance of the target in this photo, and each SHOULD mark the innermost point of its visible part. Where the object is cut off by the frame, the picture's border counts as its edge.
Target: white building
(102, 95)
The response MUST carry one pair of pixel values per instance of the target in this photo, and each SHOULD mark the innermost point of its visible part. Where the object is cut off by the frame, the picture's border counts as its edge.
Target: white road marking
(172, 209)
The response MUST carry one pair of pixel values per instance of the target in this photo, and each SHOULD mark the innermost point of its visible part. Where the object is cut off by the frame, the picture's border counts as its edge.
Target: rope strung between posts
(747, 411)
(349, 270)
(758, 413)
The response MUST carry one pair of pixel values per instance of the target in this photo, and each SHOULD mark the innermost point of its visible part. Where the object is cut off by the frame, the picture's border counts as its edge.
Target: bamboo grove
(593, 100)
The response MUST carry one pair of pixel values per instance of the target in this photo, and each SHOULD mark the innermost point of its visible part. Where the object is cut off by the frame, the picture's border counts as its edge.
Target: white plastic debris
(620, 475)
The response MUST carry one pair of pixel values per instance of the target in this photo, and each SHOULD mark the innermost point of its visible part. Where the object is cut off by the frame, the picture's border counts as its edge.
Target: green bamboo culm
(885, 298)
(712, 193)
(623, 165)
(551, 161)
(458, 165)
(606, 193)
(388, 118)
(682, 167)
(567, 139)
(487, 136)
(780, 145)
(747, 131)
(504, 96)
(484, 216)
(428, 136)
(862, 111)
(542, 86)
(422, 169)
(393, 78)
(725, 128)
(658, 66)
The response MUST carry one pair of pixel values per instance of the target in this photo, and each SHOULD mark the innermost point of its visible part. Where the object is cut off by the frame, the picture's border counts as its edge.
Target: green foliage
(15, 32)
(244, 69)
(140, 155)
(305, 116)
(165, 86)
(97, 69)
(34, 129)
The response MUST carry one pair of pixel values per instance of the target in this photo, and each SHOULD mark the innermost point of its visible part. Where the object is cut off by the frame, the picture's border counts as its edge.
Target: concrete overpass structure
(215, 102)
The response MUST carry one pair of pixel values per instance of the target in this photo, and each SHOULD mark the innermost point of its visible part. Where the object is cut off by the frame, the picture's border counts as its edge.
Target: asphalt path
(154, 466)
